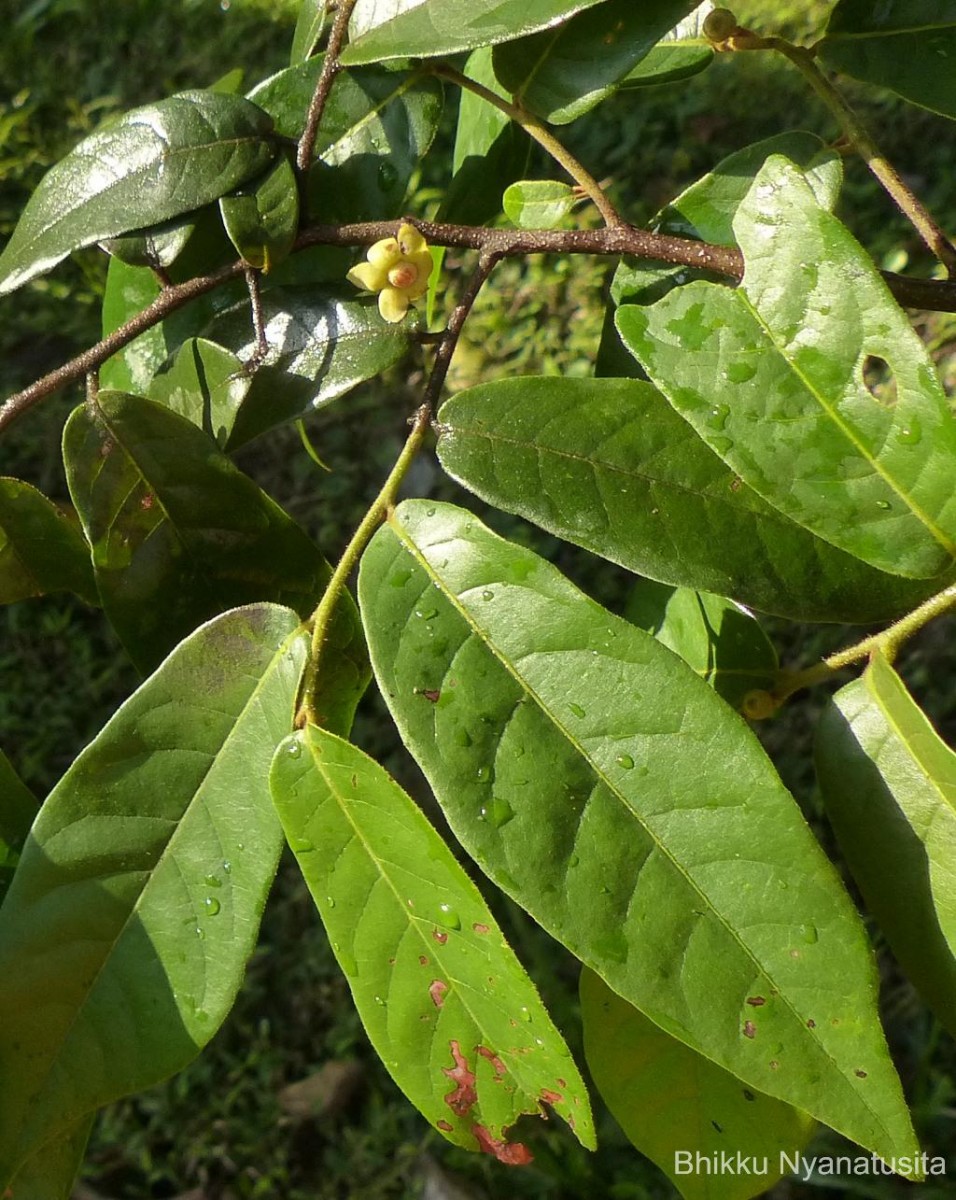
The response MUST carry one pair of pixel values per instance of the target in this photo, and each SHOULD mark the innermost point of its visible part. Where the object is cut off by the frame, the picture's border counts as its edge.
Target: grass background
(225, 1129)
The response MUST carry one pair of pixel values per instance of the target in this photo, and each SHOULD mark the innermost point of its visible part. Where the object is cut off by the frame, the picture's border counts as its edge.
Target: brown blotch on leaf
(748, 1095)
(750, 1029)
(774, 1065)
(432, 695)
(440, 936)
(499, 1066)
(464, 1095)
(860, 1074)
(437, 992)
(446, 1125)
(811, 1024)
(479, 928)
(147, 502)
(550, 1097)
(514, 1154)
(423, 959)
(756, 1001)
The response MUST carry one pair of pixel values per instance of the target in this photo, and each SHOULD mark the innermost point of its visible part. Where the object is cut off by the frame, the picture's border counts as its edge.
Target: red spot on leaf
(550, 1097)
(514, 1154)
(756, 1001)
(433, 695)
(464, 1095)
(750, 1029)
(146, 502)
(437, 992)
(499, 1066)
(479, 928)
(440, 936)
(446, 1125)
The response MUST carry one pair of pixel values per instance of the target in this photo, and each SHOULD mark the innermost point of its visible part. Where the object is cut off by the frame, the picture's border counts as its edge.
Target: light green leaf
(154, 163)
(262, 217)
(425, 28)
(41, 549)
(904, 45)
(719, 639)
(49, 1173)
(681, 53)
(204, 383)
(565, 71)
(537, 203)
(608, 464)
(674, 1104)
(573, 757)
(308, 30)
(125, 933)
(889, 783)
(770, 375)
(436, 985)
(156, 247)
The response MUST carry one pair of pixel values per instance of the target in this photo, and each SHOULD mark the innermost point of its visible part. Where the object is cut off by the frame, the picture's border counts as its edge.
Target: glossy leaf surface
(262, 218)
(413, 29)
(572, 755)
(178, 533)
(889, 783)
(771, 376)
(156, 247)
(720, 640)
(897, 44)
(124, 936)
(153, 163)
(206, 384)
(608, 465)
(563, 72)
(681, 53)
(308, 30)
(673, 1104)
(446, 1004)
(41, 549)
(537, 203)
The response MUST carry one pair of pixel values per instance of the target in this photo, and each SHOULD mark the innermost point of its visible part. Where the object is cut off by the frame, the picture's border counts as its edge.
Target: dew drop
(200, 933)
(498, 813)
(227, 867)
(481, 774)
(426, 614)
(379, 1000)
(213, 880)
(718, 415)
(212, 905)
(487, 594)
(911, 433)
(525, 1014)
(400, 578)
(301, 845)
(461, 737)
(449, 917)
(810, 934)
(720, 445)
(883, 504)
(625, 761)
(741, 372)
(576, 709)
(330, 901)
(294, 749)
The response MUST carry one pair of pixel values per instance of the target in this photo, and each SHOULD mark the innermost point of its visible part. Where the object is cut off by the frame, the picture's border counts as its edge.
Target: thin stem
(543, 136)
(861, 140)
(258, 321)
(330, 68)
(322, 617)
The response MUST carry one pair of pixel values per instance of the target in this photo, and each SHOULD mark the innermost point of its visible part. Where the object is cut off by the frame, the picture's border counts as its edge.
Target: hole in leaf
(879, 380)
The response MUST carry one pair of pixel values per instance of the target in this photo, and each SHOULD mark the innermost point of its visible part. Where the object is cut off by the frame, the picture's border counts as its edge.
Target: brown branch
(330, 68)
(933, 294)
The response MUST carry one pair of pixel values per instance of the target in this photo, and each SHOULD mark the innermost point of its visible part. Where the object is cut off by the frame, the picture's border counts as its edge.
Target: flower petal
(411, 241)
(392, 304)
(368, 276)
(385, 253)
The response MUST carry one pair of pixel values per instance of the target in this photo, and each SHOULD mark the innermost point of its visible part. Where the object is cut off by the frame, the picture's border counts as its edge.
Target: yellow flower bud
(398, 269)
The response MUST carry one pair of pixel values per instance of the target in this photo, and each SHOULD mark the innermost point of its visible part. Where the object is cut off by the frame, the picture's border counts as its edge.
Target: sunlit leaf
(204, 383)
(684, 51)
(156, 247)
(308, 30)
(41, 549)
(262, 217)
(541, 203)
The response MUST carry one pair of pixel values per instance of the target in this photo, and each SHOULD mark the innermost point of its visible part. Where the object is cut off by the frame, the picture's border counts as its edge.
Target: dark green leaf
(904, 45)
(156, 247)
(153, 163)
(41, 549)
(608, 465)
(681, 53)
(178, 533)
(49, 1173)
(204, 383)
(573, 756)
(719, 639)
(674, 1104)
(308, 30)
(411, 29)
(537, 203)
(18, 808)
(437, 987)
(771, 376)
(564, 72)
(125, 933)
(262, 217)
(889, 783)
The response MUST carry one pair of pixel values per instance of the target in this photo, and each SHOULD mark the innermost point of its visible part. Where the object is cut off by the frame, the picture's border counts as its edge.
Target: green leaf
(152, 164)
(537, 203)
(770, 375)
(889, 783)
(204, 383)
(608, 464)
(178, 532)
(41, 549)
(446, 1004)
(49, 1173)
(125, 933)
(716, 637)
(308, 30)
(673, 1104)
(413, 29)
(159, 246)
(322, 342)
(262, 217)
(681, 53)
(573, 757)
(903, 45)
(565, 71)
(18, 809)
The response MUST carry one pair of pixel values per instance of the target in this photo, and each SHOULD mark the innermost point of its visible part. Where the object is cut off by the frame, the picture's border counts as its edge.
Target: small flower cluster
(398, 269)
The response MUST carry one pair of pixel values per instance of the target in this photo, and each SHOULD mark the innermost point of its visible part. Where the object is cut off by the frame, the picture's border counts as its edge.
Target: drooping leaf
(308, 30)
(41, 549)
(565, 71)
(178, 532)
(49, 1173)
(152, 164)
(322, 342)
(681, 53)
(204, 383)
(125, 933)
(673, 1104)
(573, 756)
(718, 638)
(889, 783)
(159, 246)
(771, 376)
(607, 464)
(262, 217)
(425, 28)
(902, 45)
(537, 203)
(445, 1002)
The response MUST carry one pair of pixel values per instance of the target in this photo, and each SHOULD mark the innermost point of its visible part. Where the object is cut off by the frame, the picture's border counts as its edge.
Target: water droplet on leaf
(625, 761)
(576, 709)
(449, 917)
(212, 905)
